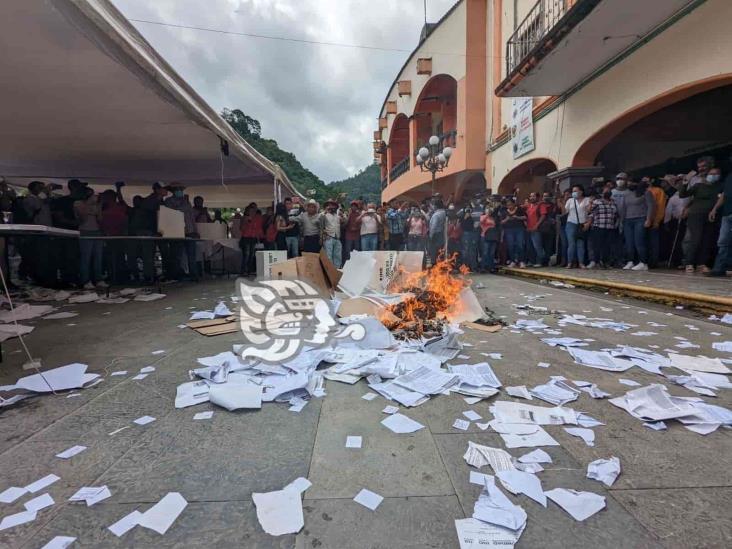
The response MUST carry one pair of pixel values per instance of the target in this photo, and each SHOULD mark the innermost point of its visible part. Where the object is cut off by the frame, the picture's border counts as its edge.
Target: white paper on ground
(698, 363)
(36, 504)
(119, 373)
(478, 455)
(125, 524)
(148, 297)
(604, 470)
(66, 377)
(588, 435)
(8, 331)
(147, 369)
(472, 400)
(59, 542)
(353, 441)
(495, 508)
(426, 381)
(235, 396)
(368, 499)
(536, 456)
(138, 377)
(519, 391)
(476, 534)
(40, 484)
(400, 424)
(530, 440)
(144, 420)
(87, 493)
(478, 478)
(191, 393)
(390, 410)
(203, 415)
(628, 382)
(519, 482)
(222, 310)
(71, 452)
(17, 519)
(580, 505)
(11, 494)
(722, 346)
(472, 415)
(369, 396)
(297, 404)
(461, 424)
(517, 412)
(656, 425)
(162, 515)
(24, 311)
(102, 494)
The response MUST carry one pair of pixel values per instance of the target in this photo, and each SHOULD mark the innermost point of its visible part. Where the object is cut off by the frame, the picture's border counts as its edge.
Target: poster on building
(522, 126)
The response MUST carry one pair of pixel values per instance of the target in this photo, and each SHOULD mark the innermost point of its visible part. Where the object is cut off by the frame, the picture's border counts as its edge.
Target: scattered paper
(147, 369)
(369, 396)
(40, 484)
(125, 524)
(36, 504)
(629, 382)
(400, 424)
(71, 452)
(536, 456)
(656, 425)
(478, 456)
(353, 441)
(144, 420)
(472, 415)
(11, 494)
(17, 519)
(495, 508)
(580, 505)
(203, 415)
(390, 410)
(461, 424)
(59, 542)
(236, 396)
(368, 499)
(119, 373)
(588, 435)
(161, 516)
(604, 470)
(138, 377)
(476, 534)
(519, 482)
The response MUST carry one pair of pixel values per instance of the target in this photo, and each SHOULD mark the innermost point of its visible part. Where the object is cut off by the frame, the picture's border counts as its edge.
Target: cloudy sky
(320, 102)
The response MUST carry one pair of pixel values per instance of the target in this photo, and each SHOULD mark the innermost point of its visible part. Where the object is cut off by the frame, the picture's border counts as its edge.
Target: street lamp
(431, 159)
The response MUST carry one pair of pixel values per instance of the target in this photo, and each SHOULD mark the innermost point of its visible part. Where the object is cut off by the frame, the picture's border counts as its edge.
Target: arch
(399, 140)
(587, 153)
(435, 111)
(529, 176)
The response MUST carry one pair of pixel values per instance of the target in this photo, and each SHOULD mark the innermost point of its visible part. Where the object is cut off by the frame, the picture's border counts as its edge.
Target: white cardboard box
(265, 260)
(171, 223)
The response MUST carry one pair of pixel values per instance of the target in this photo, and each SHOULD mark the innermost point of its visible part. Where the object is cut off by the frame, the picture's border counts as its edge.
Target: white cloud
(320, 102)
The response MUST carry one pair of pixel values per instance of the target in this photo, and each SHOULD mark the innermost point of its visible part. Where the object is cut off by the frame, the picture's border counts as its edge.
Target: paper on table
(203, 415)
(36, 504)
(353, 441)
(71, 452)
(11, 494)
(162, 515)
(59, 542)
(368, 499)
(604, 470)
(536, 456)
(588, 435)
(40, 484)
(519, 482)
(235, 396)
(461, 424)
(17, 519)
(400, 424)
(476, 534)
(580, 505)
(125, 524)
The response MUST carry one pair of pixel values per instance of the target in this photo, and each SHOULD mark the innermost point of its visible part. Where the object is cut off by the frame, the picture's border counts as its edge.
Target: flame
(435, 292)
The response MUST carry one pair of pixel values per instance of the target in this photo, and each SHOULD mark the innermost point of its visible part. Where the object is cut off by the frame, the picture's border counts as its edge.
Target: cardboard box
(212, 231)
(171, 223)
(284, 270)
(266, 258)
(309, 269)
(332, 274)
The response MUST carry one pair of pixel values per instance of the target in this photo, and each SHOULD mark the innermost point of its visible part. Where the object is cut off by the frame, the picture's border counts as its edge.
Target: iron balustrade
(536, 25)
(399, 168)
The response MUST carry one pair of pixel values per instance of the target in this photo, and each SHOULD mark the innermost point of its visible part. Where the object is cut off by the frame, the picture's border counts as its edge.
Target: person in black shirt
(513, 223)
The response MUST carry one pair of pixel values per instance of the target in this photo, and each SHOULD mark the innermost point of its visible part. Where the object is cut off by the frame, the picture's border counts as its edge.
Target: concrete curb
(705, 302)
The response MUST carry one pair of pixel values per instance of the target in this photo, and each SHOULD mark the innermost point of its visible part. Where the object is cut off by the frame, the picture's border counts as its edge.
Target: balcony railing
(537, 24)
(399, 169)
(447, 139)
(384, 183)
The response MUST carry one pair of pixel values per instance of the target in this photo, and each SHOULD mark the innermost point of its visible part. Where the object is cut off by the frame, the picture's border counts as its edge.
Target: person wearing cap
(292, 234)
(179, 201)
(370, 226)
(353, 229)
(332, 221)
(311, 222)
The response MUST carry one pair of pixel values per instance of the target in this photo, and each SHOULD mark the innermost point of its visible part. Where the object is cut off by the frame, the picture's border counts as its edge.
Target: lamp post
(431, 159)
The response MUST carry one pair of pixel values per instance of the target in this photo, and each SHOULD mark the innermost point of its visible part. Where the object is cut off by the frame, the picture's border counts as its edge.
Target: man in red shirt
(113, 222)
(538, 213)
(252, 232)
(353, 229)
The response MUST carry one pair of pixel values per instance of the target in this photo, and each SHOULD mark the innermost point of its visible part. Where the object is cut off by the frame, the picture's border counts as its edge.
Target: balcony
(561, 43)
(400, 168)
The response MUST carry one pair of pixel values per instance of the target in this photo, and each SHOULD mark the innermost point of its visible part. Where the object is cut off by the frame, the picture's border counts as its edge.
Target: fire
(435, 292)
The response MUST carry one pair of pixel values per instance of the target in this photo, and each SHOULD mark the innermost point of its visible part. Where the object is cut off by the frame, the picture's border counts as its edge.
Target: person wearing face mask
(637, 211)
(700, 236)
(703, 165)
(488, 240)
(576, 208)
(513, 223)
(723, 209)
(601, 223)
(179, 201)
(618, 194)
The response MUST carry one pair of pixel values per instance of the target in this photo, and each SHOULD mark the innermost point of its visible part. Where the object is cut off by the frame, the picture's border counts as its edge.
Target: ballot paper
(461, 424)
(236, 396)
(222, 310)
(36, 504)
(543, 364)
(125, 524)
(698, 363)
(519, 482)
(368, 499)
(280, 512)
(478, 456)
(564, 342)
(478, 478)
(536, 456)
(140, 377)
(11, 494)
(476, 375)
(580, 505)
(71, 452)
(601, 360)
(529, 440)
(472, 400)
(591, 389)
(390, 410)
(495, 508)
(297, 404)
(9, 331)
(604, 470)
(148, 297)
(517, 412)
(588, 435)
(42, 483)
(91, 494)
(162, 515)
(203, 415)
(656, 425)
(24, 311)
(652, 403)
(476, 534)
(191, 393)
(400, 424)
(147, 369)
(628, 382)
(426, 381)
(119, 373)
(472, 415)
(144, 420)
(722, 346)
(519, 391)
(17, 519)
(71, 376)
(59, 542)
(353, 441)
(369, 396)
(555, 392)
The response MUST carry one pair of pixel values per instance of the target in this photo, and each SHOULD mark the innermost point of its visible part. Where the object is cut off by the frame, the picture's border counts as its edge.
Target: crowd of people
(631, 223)
(98, 258)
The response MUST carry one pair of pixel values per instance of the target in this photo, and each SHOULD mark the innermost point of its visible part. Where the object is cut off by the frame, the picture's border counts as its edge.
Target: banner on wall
(522, 126)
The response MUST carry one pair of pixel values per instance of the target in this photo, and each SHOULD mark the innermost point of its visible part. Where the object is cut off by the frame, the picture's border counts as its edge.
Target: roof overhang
(84, 95)
(588, 36)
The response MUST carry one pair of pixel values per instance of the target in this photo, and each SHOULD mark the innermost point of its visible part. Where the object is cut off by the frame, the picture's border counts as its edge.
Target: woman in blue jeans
(576, 209)
(513, 223)
(637, 212)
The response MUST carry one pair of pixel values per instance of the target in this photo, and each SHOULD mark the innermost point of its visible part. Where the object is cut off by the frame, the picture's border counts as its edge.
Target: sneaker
(522, 265)
(88, 286)
(705, 269)
(537, 265)
(690, 268)
(102, 284)
(511, 264)
(591, 265)
(628, 266)
(640, 267)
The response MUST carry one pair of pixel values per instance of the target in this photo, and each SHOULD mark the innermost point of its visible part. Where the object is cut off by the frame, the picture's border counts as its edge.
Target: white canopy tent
(84, 95)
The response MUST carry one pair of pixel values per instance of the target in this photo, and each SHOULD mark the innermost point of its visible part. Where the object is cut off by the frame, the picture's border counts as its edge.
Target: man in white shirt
(332, 220)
